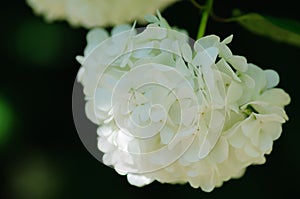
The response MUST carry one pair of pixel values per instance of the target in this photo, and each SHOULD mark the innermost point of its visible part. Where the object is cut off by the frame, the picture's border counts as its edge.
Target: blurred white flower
(175, 111)
(93, 13)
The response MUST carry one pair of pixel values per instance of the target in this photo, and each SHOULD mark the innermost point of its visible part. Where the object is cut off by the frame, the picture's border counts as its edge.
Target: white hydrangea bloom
(93, 13)
(177, 112)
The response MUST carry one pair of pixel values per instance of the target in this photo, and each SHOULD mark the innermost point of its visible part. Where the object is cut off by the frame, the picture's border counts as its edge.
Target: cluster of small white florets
(94, 13)
(175, 111)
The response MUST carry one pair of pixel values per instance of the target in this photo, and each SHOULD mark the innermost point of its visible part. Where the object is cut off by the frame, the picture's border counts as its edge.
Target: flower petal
(272, 78)
(138, 180)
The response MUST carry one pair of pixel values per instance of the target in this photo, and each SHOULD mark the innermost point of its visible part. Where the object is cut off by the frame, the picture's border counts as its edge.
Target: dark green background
(42, 156)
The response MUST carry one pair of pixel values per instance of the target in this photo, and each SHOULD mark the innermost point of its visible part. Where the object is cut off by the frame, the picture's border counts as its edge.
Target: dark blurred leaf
(279, 29)
(6, 119)
(38, 43)
(36, 177)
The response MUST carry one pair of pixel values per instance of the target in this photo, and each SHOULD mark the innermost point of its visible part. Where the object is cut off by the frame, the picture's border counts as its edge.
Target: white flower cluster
(175, 111)
(93, 13)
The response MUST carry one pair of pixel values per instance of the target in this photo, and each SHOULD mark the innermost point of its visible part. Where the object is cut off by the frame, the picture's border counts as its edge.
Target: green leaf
(278, 29)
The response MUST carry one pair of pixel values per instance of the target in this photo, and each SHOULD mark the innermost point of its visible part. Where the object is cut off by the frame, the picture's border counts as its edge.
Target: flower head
(175, 110)
(93, 13)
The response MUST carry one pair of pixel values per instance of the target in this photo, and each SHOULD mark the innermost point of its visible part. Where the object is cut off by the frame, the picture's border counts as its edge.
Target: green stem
(204, 19)
(197, 5)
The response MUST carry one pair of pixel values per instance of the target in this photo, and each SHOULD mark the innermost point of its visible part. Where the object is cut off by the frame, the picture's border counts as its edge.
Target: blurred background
(41, 155)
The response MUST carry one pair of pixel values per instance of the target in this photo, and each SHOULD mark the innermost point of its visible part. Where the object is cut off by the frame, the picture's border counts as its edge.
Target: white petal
(103, 99)
(90, 111)
(224, 51)
(151, 33)
(138, 180)
(120, 28)
(96, 36)
(228, 39)
(135, 116)
(269, 118)
(234, 92)
(215, 128)
(250, 83)
(223, 66)
(141, 53)
(144, 114)
(104, 146)
(220, 151)
(80, 74)
(251, 127)
(205, 148)
(265, 142)
(206, 57)
(175, 113)
(166, 135)
(251, 151)
(257, 74)
(157, 113)
(108, 81)
(182, 68)
(272, 78)
(186, 52)
(122, 140)
(192, 173)
(134, 147)
(104, 130)
(275, 96)
(189, 115)
(243, 156)
(151, 18)
(237, 140)
(191, 155)
(206, 42)
(80, 59)
(166, 44)
(238, 62)
(212, 52)
(273, 129)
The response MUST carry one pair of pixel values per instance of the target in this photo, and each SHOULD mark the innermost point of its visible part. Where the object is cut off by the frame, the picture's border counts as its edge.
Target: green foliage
(278, 29)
